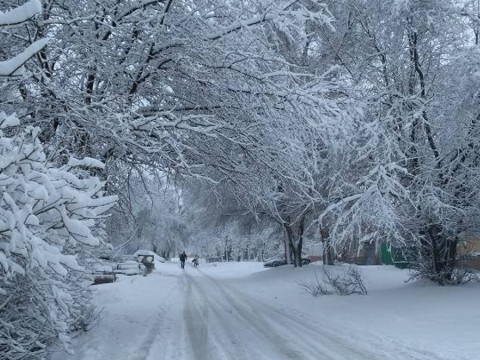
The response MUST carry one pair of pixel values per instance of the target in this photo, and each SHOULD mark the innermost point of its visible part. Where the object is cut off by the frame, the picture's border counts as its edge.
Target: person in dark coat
(183, 258)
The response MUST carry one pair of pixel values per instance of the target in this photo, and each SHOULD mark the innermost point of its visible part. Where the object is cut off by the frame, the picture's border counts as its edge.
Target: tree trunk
(295, 243)
(327, 253)
(438, 255)
(288, 241)
(299, 243)
(292, 255)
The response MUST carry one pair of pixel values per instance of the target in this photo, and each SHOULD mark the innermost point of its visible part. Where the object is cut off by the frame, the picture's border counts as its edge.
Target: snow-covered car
(129, 268)
(102, 272)
(280, 260)
(125, 258)
(140, 255)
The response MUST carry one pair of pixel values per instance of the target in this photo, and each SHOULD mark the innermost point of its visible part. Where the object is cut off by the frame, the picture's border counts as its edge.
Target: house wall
(468, 252)
(468, 246)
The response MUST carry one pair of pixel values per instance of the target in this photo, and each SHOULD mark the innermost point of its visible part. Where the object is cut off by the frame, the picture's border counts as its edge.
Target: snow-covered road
(205, 314)
(222, 322)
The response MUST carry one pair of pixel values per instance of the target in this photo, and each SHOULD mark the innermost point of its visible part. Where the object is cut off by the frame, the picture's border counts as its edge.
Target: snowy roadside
(134, 310)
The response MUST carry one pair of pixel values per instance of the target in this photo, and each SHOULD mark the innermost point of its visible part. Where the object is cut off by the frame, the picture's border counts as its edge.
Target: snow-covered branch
(14, 66)
(21, 14)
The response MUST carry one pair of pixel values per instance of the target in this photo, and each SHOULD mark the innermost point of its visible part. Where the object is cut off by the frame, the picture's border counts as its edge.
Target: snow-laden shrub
(343, 280)
(457, 276)
(47, 216)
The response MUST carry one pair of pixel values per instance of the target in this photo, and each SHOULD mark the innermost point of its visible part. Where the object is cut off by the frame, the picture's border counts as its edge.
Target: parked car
(140, 254)
(280, 260)
(130, 268)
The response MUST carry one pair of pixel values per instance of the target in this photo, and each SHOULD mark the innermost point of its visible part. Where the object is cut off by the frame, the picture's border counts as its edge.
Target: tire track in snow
(195, 316)
(161, 324)
(226, 342)
(319, 341)
(253, 325)
(280, 330)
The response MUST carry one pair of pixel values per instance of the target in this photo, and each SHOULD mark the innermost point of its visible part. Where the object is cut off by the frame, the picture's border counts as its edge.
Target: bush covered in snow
(46, 220)
(343, 280)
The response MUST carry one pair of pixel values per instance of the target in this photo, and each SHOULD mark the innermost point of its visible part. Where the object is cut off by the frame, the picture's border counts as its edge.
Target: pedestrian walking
(195, 261)
(183, 258)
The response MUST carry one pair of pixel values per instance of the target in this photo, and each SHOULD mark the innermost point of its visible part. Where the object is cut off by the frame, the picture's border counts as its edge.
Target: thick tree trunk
(438, 255)
(294, 244)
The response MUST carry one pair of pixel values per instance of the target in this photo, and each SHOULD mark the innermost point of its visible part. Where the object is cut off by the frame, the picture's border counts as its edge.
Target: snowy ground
(243, 311)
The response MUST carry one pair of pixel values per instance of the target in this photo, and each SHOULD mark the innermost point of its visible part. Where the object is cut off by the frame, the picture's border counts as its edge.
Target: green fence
(401, 257)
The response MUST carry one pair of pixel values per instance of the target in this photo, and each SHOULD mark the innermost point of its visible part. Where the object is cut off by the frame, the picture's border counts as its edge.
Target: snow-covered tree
(403, 58)
(46, 216)
(47, 220)
(151, 81)
(339, 128)
(153, 217)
